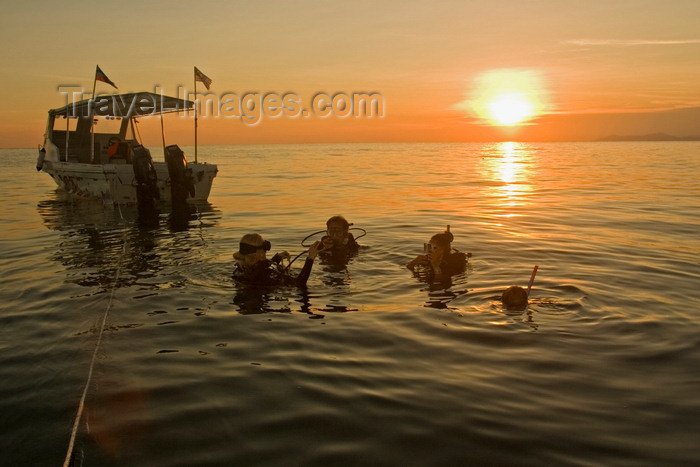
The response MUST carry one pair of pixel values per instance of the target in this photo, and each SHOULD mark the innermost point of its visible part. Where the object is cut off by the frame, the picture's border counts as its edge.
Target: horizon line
(623, 139)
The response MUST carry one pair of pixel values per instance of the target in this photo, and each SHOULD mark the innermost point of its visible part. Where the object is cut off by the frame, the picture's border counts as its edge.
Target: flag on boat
(202, 78)
(100, 76)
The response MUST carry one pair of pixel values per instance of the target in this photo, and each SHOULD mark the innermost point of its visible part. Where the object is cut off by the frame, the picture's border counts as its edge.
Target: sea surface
(372, 365)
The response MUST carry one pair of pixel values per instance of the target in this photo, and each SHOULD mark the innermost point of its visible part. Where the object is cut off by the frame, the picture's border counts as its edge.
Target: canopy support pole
(162, 130)
(195, 115)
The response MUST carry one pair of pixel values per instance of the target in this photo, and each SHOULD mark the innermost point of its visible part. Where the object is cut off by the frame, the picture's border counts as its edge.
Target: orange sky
(599, 67)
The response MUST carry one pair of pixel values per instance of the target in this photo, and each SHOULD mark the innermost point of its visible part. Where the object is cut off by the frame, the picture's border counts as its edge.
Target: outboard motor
(181, 180)
(146, 180)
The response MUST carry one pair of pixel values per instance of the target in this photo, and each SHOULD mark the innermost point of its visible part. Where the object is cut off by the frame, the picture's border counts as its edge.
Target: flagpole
(195, 113)
(92, 119)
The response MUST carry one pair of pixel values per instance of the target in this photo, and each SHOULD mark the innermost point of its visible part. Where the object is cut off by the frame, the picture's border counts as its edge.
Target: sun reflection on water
(508, 170)
(509, 167)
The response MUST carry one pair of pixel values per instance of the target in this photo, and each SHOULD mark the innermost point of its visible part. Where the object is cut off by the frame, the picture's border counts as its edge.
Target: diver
(253, 267)
(338, 237)
(439, 258)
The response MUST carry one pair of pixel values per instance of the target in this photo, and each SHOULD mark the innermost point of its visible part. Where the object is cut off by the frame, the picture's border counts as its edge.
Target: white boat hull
(116, 183)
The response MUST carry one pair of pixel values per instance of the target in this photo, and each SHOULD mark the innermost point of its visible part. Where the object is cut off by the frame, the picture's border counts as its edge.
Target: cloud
(629, 42)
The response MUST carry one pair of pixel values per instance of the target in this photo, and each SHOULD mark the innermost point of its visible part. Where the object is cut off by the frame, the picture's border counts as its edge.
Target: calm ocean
(370, 366)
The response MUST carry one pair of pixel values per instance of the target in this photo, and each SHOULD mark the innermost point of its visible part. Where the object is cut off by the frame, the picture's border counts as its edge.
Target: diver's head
(440, 244)
(338, 229)
(514, 298)
(251, 249)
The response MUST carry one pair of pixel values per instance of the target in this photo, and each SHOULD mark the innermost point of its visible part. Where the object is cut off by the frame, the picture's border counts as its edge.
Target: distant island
(650, 137)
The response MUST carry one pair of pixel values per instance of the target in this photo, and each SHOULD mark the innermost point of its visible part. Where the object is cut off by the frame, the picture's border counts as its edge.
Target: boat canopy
(129, 105)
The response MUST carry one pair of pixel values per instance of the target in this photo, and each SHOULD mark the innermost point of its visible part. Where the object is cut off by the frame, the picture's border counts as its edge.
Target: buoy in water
(40, 159)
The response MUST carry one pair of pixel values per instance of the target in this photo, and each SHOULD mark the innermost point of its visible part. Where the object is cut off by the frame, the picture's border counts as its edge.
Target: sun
(510, 109)
(506, 97)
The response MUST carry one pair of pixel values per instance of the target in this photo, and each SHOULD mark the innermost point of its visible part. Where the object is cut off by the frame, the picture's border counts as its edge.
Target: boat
(92, 149)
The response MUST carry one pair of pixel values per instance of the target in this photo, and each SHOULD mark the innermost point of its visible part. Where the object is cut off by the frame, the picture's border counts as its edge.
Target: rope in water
(81, 404)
